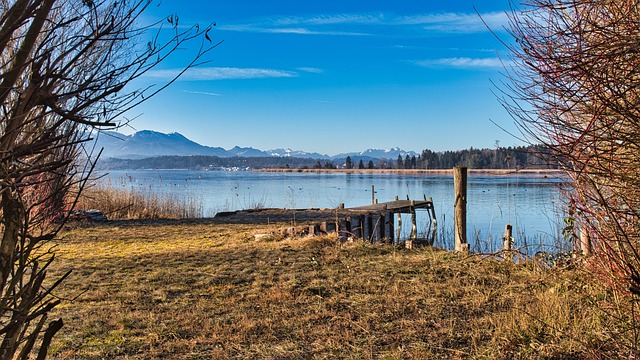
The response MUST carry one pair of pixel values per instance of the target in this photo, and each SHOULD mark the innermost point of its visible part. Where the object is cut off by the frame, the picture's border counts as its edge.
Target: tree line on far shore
(522, 157)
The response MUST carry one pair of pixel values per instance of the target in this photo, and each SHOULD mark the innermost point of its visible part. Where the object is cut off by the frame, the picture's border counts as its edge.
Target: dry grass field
(208, 290)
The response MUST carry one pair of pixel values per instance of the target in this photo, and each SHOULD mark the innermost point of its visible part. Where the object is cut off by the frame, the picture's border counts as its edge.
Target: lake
(530, 202)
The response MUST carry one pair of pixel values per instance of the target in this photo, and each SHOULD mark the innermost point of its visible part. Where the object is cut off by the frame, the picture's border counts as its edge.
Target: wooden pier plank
(397, 206)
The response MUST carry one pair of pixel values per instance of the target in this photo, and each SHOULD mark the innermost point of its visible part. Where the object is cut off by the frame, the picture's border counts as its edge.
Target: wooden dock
(398, 206)
(376, 222)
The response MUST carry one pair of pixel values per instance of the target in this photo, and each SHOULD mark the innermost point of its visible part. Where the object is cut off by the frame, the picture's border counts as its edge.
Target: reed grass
(128, 203)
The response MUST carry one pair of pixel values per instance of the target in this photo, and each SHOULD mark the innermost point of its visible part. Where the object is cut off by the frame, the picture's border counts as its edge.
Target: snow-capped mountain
(247, 152)
(391, 153)
(147, 143)
(296, 153)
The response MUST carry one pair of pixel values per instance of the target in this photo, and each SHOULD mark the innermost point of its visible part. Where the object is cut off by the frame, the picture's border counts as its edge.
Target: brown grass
(131, 204)
(205, 290)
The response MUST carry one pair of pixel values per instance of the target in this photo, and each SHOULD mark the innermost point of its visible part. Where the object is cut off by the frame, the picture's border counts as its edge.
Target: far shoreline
(496, 172)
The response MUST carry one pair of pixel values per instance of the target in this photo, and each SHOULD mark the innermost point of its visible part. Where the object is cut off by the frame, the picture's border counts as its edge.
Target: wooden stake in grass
(414, 226)
(507, 241)
(460, 208)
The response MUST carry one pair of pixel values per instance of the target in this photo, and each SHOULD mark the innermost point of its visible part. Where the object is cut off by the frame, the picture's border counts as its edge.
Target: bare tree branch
(64, 65)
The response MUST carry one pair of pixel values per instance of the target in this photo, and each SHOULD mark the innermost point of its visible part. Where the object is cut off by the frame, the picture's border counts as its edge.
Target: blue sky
(336, 76)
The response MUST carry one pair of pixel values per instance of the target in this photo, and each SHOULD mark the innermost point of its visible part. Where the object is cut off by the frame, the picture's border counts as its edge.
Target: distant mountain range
(147, 143)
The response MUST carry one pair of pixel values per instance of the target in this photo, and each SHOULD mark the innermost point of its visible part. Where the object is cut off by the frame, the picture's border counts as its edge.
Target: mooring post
(414, 225)
(460, 209)
(507, 242)
(373, 194)
(433, 212)
(399, 231)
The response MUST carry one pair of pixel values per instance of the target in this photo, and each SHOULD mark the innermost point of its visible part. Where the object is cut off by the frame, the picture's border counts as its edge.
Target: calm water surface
(530, 202)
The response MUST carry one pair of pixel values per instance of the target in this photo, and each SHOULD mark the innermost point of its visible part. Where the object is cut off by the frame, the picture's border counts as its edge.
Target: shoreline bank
(419, 171)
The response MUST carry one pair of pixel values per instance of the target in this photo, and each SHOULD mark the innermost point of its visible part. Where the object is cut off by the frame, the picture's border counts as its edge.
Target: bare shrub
(63, 68)
(573, 86)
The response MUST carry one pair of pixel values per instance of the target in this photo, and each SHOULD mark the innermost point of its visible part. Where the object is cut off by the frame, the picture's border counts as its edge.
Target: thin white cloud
(310, 70)
(304, 31)
(201, 93)
(289, 30)
(330, 19)
(463, 62)
(221, 73)
(457, 22)
(369, 24)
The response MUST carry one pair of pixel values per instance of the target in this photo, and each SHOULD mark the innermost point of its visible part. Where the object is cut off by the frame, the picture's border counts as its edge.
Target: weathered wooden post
(414, 225)
(366, 228)
(388, 226)
(328, 227)
(507, 242)
(323, 227)
(344, 229)
(356, 227)
(373, 194)
(460, 209)
(433, 212)
(399, 231)
(378, 231)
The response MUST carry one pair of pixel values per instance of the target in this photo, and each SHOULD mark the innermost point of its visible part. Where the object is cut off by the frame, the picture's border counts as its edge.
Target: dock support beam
(388, 226)
(356, 226)
(460, 209)
(366, 228)
(378, 230)
(414, 225)
(399, 231)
